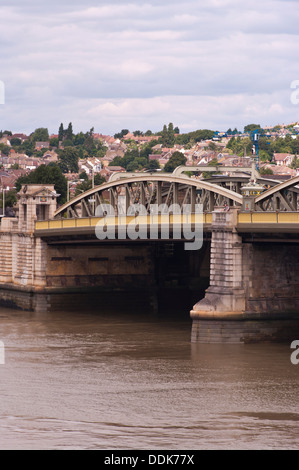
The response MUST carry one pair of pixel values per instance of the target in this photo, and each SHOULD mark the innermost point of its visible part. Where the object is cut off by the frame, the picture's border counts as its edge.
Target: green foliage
(5, 149)
(295, 162)
(54, 142)
(98, 179)
(196, 136)
(239, 146)
(46, 174)
(175, 160)
(2, 133)
(121, 134)
(87, 184)
(60, 132)
(69, 132)
(10, 198)
(117, 161)
(167, 136)
(68, 160)
(40, 135)
(265, 171)
(89, 145)
(15, 142)
(83, 176)
(152, 165)
(79, 139)
(251, 127)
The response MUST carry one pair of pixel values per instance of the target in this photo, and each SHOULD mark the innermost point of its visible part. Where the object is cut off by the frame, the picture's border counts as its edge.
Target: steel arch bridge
(283, 197)
(147, 190)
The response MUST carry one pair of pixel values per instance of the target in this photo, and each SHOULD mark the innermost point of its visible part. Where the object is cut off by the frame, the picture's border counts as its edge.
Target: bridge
(240, 284)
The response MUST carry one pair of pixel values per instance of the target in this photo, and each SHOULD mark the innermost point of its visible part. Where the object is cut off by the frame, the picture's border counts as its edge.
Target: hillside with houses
(90, 158)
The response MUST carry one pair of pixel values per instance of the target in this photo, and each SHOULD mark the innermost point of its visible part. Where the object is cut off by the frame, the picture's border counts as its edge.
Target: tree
(87, 184)
(15, 142)
(212, 146)
(46, 174)
(121, 134)
(164, 136)
(153, 165)
(79, 139)
(175, 160)
(132, 166)
(60, 133)
(170, 135)
(89, 145)
(98, 179)
(265, 171)
(5, 149)
(83, 176)
(117, 161)
(69, 132)
(54, 142)
(10, 199)
(251, 127)
(40, 135)
(68, 160)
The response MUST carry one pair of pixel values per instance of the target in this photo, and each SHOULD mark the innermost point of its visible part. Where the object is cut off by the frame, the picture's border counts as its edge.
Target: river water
(99, 381)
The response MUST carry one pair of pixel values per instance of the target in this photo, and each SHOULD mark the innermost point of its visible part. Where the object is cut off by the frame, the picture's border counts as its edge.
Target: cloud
(77, 60)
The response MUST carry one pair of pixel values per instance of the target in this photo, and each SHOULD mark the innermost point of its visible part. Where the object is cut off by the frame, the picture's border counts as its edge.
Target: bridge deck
(247, 222)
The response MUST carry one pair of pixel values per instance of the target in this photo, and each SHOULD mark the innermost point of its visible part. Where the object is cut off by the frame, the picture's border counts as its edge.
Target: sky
(139, 65)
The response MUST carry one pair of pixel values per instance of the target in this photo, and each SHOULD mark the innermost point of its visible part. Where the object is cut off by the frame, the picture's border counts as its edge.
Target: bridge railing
(268, 218)
(84, 222)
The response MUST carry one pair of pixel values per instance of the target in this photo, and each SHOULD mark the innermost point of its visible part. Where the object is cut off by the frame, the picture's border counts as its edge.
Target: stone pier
(254, 289)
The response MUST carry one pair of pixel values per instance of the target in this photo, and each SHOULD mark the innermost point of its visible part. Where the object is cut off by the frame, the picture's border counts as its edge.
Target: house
(22, 137)
(283, 159)
(42, 145)
(154, 156)
(50, 156)
(107, 171)
(5, 140)
(283, 170)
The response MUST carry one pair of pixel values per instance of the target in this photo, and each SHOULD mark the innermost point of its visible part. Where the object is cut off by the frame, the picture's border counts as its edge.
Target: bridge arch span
(150, 189)
(281, 197)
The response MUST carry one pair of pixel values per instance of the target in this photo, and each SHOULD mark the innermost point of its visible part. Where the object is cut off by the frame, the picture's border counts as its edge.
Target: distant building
(283, 159)
(42, 145)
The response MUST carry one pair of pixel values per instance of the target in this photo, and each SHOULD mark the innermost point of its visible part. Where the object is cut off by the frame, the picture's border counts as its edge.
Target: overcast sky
(138, 65)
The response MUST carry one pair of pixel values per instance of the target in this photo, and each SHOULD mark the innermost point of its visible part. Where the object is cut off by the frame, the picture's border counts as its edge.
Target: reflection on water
(96, 381)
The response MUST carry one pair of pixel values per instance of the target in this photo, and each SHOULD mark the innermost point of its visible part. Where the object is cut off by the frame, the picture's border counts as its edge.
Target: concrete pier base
(78, 300)
(254, 292)
(245, 329)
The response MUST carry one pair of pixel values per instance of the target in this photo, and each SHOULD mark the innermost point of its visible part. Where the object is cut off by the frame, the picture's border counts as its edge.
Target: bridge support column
(253, 292)
(225, 297)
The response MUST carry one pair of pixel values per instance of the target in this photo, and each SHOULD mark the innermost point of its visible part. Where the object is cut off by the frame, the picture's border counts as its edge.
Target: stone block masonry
(254, 288)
